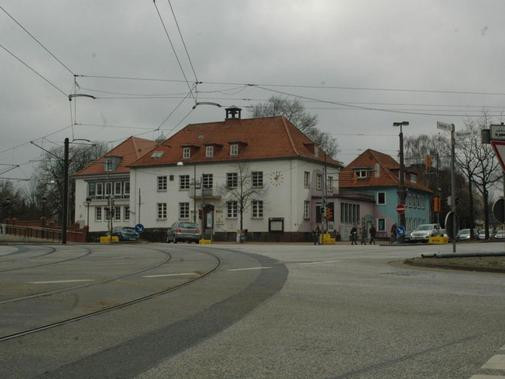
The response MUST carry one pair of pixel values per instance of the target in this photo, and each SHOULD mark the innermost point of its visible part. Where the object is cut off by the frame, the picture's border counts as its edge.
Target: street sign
(139, 228)
(498, 211)
(449, 222)
(499, 149)
(400, 208)
(400, 231)
(498, 132)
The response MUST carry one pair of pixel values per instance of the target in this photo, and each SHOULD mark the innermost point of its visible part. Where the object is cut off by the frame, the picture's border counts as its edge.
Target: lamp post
(402, 192)
(88, 202)
(44, 202)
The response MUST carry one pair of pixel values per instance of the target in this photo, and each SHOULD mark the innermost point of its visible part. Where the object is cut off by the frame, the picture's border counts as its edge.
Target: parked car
(424, 231)
(463, 234)
(500, 234)
(183, 231)
(125, 233)
(481, 234)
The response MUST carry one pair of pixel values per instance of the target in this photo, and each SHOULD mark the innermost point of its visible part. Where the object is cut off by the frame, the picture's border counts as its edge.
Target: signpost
(400, 208)
(139, 228)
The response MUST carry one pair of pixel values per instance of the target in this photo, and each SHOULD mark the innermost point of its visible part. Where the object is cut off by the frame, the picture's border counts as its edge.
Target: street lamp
(88, 202)
(402, 191)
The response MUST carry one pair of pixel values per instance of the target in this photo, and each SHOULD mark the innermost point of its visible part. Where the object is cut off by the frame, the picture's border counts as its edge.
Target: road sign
(400, 208)
(499, 149)
(498, 210)
(400, 231)
(498, 132)
(449, 222)
(139, 228)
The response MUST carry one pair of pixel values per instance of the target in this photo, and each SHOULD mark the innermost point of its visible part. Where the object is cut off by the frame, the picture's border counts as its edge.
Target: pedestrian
(354, 235)
(372, 231)
(363, 234)
(316, 235)
(393, 233)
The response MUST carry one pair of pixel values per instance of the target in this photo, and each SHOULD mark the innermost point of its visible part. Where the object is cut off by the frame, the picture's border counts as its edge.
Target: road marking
(316, 262)
(487, 377)
(496, 362)
(62, 281)
(249, 268)
(177, 274)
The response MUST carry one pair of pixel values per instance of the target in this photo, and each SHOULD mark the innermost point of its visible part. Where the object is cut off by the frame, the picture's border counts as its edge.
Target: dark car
(125, 233)
(183, 231)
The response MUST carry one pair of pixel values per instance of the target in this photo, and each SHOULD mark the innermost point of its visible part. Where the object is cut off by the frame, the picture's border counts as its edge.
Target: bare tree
(295, 112)
(243, 191)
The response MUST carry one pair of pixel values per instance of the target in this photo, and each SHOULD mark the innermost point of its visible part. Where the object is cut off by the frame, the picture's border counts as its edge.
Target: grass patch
(489, 264)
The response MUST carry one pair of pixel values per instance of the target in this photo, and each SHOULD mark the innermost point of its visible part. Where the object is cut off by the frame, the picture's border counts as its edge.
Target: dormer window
(186, 152)
(413, 178)
(361, 173)
(209, 151)
(234, 149)
(109, 164)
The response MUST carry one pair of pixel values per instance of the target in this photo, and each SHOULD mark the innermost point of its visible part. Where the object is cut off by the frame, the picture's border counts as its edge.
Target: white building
(205, 171)
(105, 183)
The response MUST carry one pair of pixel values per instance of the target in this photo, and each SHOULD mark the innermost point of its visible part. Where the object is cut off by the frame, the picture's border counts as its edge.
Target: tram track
(116, 307)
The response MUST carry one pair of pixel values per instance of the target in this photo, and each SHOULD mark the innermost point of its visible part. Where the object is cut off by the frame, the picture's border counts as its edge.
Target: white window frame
(306, 179)
(117, 213)
(108, 164)
(329, 184)
(108, 188)
(126, 212)
(361, 173)
(186, 152)
(162, 183)
(385, 225)
(232, 209)
(184, 211)
(116, 192)
(306, 210)
(126, 188)
(257, 179)
(231, 180)
(161, 211)
(207, 181)
(99, 189)
(234, 150)
(184, 182)
(377, 199)
(98, 214)
(209, 151)
(90, 186)
(257, 208)
(319, 182)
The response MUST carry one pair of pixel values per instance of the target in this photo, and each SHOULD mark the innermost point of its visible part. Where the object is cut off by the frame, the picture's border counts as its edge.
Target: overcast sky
(372, 46)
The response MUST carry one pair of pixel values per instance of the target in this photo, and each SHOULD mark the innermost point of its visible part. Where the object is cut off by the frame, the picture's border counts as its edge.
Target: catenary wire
(37, 40)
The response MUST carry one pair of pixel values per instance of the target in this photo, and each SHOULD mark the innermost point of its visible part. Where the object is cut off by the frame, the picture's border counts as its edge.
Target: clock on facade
(276, 178)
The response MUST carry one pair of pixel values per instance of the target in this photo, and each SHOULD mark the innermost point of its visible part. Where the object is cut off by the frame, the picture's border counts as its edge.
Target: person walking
(354, 235)
(316, 235)
(393, 233)
(372, 231)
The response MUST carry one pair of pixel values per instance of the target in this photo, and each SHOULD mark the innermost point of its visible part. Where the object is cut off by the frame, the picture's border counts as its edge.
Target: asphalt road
(293, 311)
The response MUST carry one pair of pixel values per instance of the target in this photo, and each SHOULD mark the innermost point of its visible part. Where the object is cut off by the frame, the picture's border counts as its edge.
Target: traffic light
(329, 214)
(436, 204)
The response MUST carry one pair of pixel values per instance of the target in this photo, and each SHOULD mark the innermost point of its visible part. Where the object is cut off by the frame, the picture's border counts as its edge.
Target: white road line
(487, 377)
(317, 262)
(177, 274)
(249, 268)
(62, 281)
(496, 362)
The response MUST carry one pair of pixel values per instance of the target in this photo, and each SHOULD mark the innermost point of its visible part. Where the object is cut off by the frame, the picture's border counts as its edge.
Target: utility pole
(402, 191)
(65, 193)
(453, 187)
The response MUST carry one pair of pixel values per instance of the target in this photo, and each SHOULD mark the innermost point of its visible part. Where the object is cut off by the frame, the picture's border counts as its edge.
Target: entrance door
(208, 220)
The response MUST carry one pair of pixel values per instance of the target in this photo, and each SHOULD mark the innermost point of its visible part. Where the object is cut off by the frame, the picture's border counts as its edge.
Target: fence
(51, 234)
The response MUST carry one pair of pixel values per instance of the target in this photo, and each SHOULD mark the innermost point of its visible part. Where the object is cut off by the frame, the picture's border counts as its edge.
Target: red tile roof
(388, 172)
(258, 138)
(129, 151)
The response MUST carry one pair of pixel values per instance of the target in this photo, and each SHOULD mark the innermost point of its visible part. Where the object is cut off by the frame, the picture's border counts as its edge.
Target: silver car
(183, 231)
(463, 234)
(424, 231)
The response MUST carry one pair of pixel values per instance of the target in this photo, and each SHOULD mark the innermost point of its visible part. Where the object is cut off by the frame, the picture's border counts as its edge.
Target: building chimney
(233, 112)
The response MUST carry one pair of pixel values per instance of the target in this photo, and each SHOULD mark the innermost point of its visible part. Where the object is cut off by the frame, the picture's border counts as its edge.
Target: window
(186, 152)
(162, 211)
(257, 179)
(117, 188)
(306, 179)
(231, 209)
(257, 208)
(183, 182)
(99, 189)
(306, 210)
(98, 213)
(377, 170)
(162, 183)
(108, 164)
(413, 178)
(157, 154)
(183, 211)
(108, 188)
(329, 184)
(361, 174)
(117, 213)
(231, 180)
(234, 149)
(209, 151)
(126, 213)
(381, 225)
(349, 213)
(126, 188)
(381, 198)
(107, 213)
(207, 180)
(91, 189)
(319, 180)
